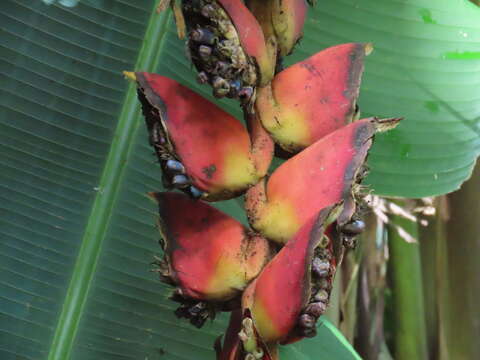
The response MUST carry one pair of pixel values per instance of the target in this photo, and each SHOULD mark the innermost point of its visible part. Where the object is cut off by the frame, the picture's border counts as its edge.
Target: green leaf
(77, 230)
(333, 346)
(405, 274)
(424, 68)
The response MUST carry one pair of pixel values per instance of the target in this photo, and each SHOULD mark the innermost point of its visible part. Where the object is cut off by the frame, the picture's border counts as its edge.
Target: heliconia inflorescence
(276, 276)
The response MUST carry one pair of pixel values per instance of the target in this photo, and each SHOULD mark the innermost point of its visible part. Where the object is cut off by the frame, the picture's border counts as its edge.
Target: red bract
(321, 175)
(202, 149)
(312, 98)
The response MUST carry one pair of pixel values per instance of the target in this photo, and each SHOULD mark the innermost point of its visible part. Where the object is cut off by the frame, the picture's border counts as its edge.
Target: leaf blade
(97, 224)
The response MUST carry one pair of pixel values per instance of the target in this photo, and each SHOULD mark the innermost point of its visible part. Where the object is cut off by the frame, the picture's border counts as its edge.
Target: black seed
(234, 88)
(203, 36)
(167, 280)
(208, 11)
(182, 312)
(195, 4)
(198, 308)
(279, 65)
(221, 87)
(222, 68)
(177, 297)
(202, 77)
(349, 242)
(324, 284)
(165, 181)
(219, 82)
(175, 166)
(321, 296)
(156, 137)
(208, 67)
(245, 93)
(315, 309)
(320, 268)
(180, 181)
(225, 48)
(309, 332)
(198, 321)
(306, 321)
(204, 52)
(195, 193)
(354, 227)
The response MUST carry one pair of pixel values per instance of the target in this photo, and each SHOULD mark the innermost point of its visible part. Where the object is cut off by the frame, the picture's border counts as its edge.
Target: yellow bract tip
(368, 48)
(152, 196)
(130, 75)
(162, 5)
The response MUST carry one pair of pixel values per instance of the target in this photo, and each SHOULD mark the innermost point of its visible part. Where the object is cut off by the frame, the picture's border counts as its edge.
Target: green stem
(431, 237)
(99, 219)
(371, 290)
(333, 310)
(348, 301)
(408, 309)
(459, 274)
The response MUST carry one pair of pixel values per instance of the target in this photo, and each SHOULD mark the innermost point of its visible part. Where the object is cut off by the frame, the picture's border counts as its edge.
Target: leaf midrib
(110, 181)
